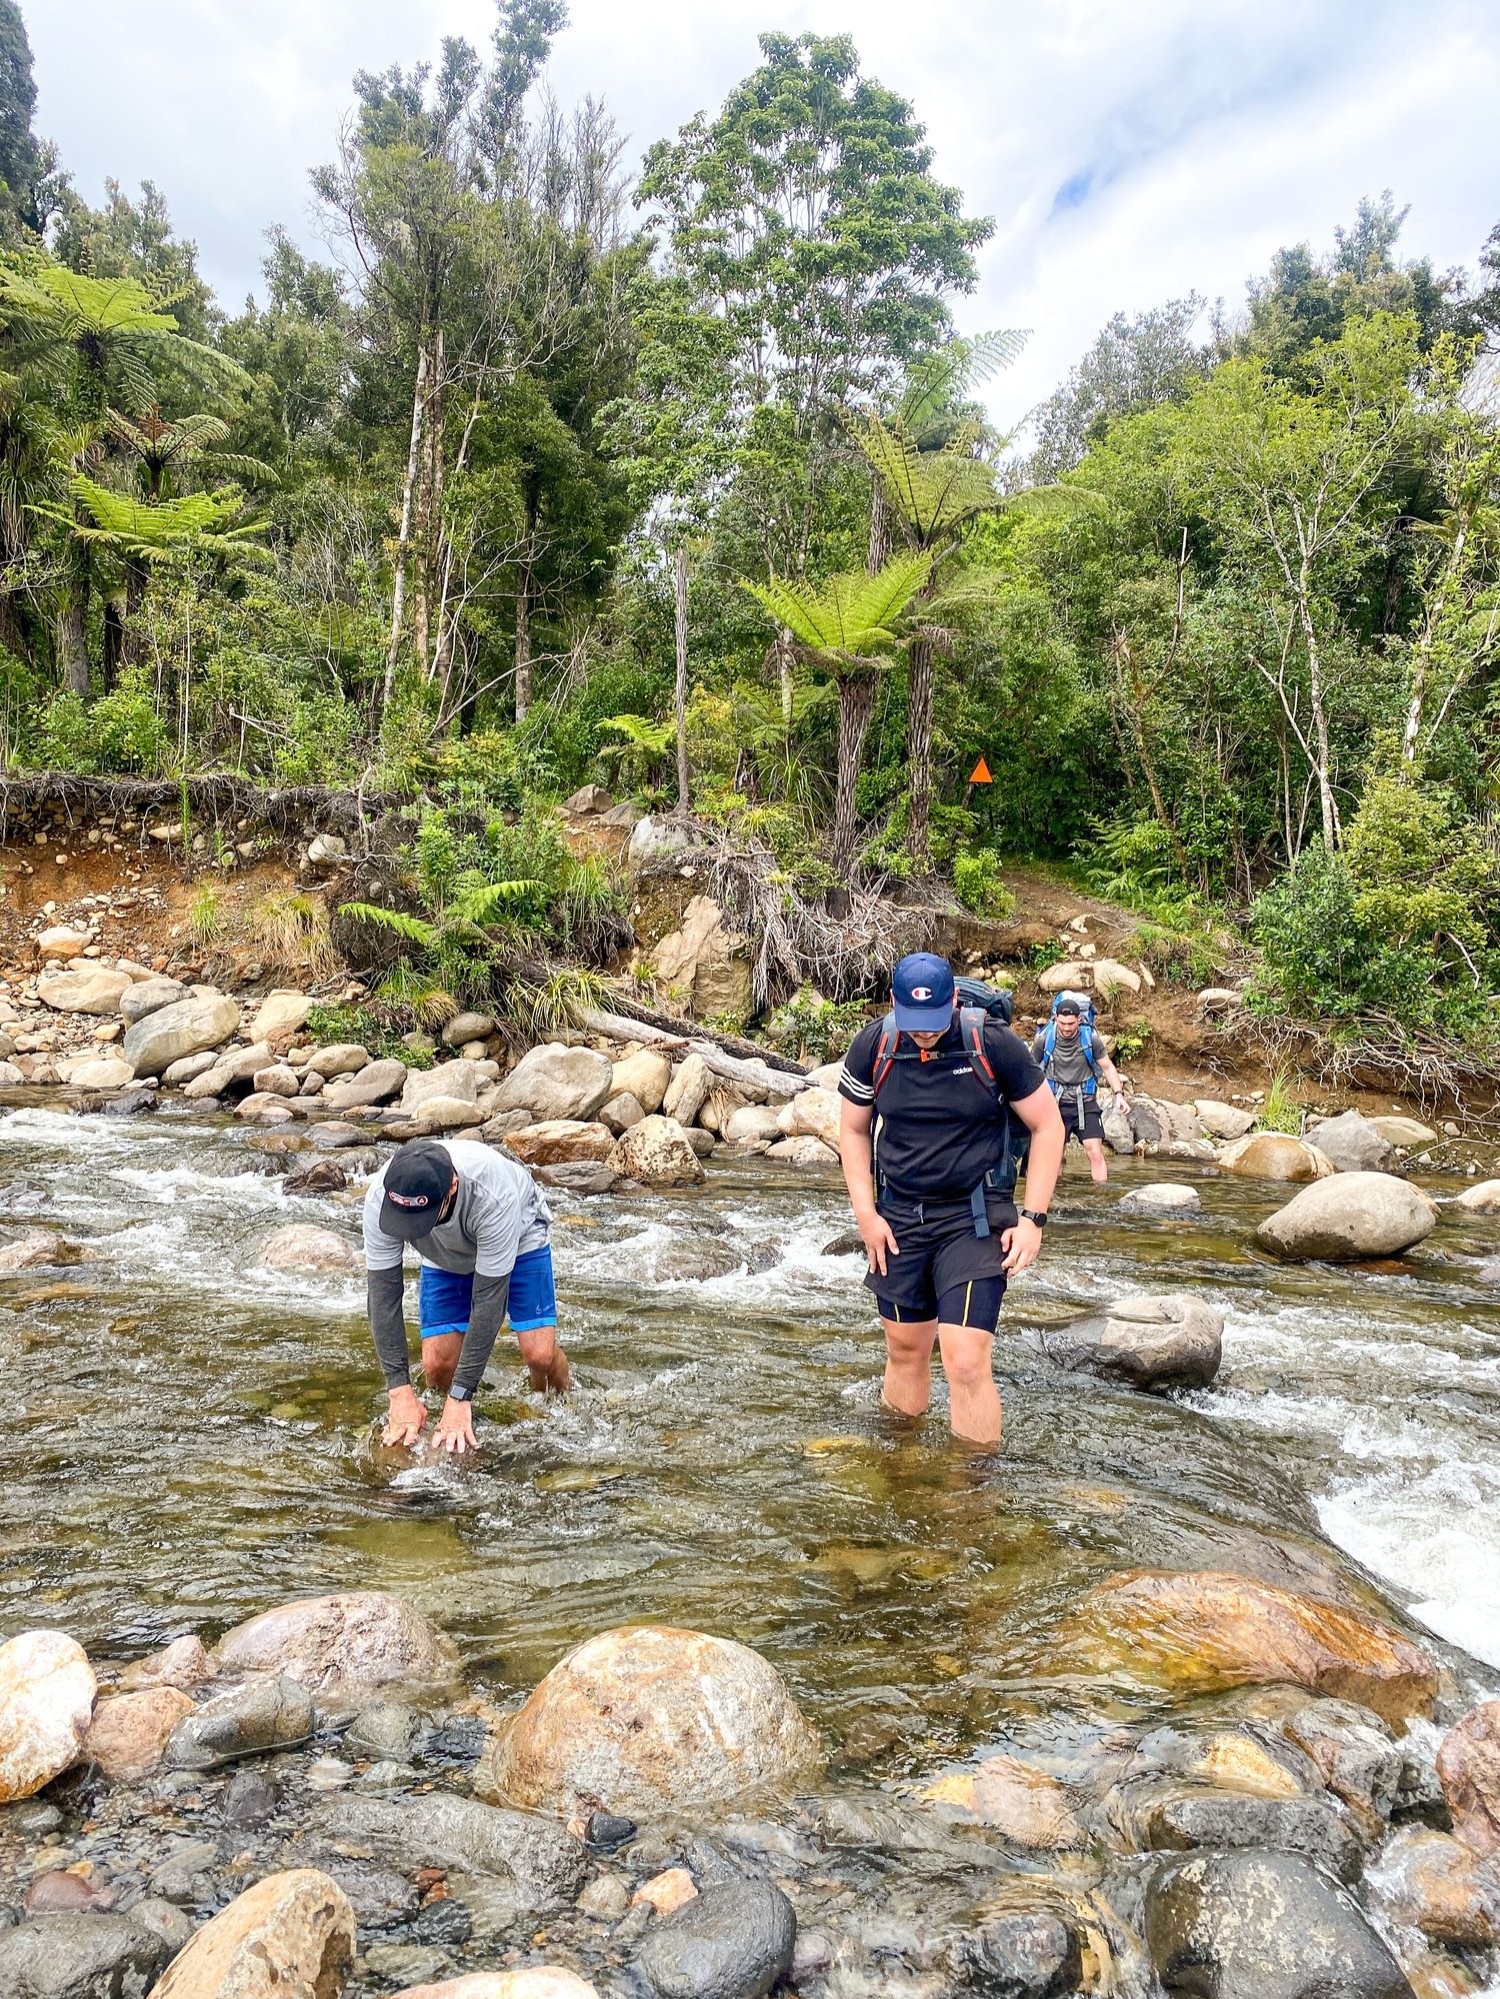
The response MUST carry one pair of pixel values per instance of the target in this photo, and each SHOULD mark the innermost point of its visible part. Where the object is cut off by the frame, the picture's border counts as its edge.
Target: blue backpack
(1085, 1041)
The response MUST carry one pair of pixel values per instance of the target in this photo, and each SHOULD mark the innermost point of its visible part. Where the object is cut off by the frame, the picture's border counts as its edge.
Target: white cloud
(1194, 139)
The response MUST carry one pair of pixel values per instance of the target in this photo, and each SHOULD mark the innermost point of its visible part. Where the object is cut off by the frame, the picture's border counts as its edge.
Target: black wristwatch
(1037, 1216)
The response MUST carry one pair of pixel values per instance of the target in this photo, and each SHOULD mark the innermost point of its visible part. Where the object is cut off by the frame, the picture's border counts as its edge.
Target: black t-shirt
(938, 1128)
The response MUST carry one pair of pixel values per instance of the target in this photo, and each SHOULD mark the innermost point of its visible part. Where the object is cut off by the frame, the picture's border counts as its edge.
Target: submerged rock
(321, 1176)
(733, 1941)
(304, 1246)
(1031, 1954)
(1204, 1632)
(1165, 1815)
(291, 1936)
(538, 1981)
(344, 1648)
(1153, 1343)
(1431, 1882)
(649, 1717)
(266, 1711)
(1272, 1155)
(1162, 1197)
(46, 1700)
(1468, 1767)
(1025, 1804)
(38, 1249)
(1348, 1218)
(1262, 1926)
(657, 1152)
(1355, 1756)
(81, 1957)
(441, 1829)
(128, 1734)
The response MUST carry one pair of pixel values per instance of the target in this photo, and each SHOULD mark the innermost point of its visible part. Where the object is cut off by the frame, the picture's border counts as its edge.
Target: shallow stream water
(188, 1436)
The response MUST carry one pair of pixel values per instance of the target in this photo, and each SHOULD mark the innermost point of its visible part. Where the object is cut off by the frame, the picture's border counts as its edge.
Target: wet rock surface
(343, 1648)
(732, 1941)
(1350, 1217)
(264, 1711)
(46, 1702)
(292, 1933)
(543, 1859)
(1152, 1343)
(80, 1957)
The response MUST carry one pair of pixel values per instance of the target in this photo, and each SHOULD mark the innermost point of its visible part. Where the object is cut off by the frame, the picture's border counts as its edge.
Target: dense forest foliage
(676, 475)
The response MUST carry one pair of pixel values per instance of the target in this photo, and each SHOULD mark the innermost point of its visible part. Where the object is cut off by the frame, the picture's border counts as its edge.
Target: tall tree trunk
(919, 750)
(114, 643)
(1326, 801)
(856, 710)
(403, 538)
(523, 637)
(73, 637)
(681, 693)
(429, 504)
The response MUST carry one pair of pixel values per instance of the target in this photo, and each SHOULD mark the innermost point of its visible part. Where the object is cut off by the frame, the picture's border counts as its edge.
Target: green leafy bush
(977, 884)
(121, 731)
(820, 1028)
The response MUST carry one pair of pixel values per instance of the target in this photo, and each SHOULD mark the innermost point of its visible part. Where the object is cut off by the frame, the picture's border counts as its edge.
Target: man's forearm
(384, 1292)
(1044, 1163)
(856, 1158)
(486, 1316)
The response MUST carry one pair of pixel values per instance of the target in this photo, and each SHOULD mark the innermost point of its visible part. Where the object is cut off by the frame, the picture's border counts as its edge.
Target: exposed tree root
(220, 799)
(1420, 1067)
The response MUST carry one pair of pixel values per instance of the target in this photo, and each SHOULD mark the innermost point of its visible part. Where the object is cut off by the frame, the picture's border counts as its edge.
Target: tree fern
(850, 616)
(410, 927)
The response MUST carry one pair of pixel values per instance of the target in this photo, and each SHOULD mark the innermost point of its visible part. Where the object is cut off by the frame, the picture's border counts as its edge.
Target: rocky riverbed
(1164, 1690)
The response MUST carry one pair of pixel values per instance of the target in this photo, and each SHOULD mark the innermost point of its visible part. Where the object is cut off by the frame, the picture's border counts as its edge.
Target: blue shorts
(444, 1297)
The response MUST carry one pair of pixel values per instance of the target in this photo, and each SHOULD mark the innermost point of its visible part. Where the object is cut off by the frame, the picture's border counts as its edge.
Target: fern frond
(410, 927)
(478, 905)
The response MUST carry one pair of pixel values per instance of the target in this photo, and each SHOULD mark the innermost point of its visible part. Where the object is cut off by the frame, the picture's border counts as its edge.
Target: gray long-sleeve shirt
(498, 1215)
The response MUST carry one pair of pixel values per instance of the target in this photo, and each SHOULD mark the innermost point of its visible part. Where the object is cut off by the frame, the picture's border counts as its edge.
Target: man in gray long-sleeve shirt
(483, 1232)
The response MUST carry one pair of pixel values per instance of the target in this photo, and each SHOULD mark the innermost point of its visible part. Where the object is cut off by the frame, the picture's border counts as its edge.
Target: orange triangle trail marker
(980, 774)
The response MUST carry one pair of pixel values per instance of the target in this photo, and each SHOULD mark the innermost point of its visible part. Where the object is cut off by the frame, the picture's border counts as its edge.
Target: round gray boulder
(1162, 1197)
(1147, 1342)
(1353, 1144)
(1349, 1217)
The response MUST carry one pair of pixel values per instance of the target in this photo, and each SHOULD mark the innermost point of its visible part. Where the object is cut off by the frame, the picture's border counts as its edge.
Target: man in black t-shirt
(925, 1138)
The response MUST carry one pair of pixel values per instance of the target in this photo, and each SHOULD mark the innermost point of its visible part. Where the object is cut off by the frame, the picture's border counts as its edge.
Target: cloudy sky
(1129, 150)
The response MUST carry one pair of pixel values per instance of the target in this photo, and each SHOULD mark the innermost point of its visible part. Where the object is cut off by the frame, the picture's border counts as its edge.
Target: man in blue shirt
(928, 1142)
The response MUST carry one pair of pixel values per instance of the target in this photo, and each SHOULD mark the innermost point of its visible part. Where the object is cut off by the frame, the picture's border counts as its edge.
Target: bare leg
(440, 1360)
(1094, 1147)
(545, 1360)
(908, 1365)
(974, 1400)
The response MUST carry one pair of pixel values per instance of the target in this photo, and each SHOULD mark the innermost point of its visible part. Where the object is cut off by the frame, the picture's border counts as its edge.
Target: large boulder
(149, 996)
(291, 1936)
(61, 943)
(1274, 1155)
(1204, 1632)
(100, 1072)
(803, 1151)
(654, 838)
(688, 1090)
(644, 1074)
(753, 1124)
(1481, 1199)
(812, 1113)
(128, 1735)
(705, 960)
(375, 1083)
(733, 1940)
(650, 1719)
(437, 1115)
(1067, 976)
(92, 990)
(340, 1058)
(1468, 1767)
(466, 1027)
(1349, 1217)
(453, 1081)
(1111, 977)
(263, 1711)
(165, 1036)
(81, 1957)
(1154, 1343)
(343, 1648)
(1262, 1926)
(46, 1700)
(657, 1151)
(305, 1246)
(559, 1141)
(554, 1081)
(1353, 1143)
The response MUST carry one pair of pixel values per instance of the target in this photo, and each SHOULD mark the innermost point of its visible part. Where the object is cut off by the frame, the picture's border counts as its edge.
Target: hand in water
(405, 1418)
(1022, 1245)
(455, 1430)
(879, 1241)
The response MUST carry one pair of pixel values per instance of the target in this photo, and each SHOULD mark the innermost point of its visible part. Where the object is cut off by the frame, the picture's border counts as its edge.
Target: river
(188, 1435)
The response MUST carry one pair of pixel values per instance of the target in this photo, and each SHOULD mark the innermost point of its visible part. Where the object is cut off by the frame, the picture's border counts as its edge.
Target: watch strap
(1035, 1215)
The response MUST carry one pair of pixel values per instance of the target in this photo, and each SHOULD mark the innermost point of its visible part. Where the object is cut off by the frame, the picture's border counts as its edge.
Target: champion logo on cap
(921, 992)
(408, 1200)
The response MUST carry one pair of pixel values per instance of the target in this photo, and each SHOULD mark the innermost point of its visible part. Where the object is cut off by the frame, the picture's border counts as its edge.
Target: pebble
(250, 1799)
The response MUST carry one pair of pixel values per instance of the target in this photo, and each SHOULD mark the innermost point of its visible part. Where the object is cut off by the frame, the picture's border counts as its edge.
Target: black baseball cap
(417, 1182)
(1069, 1006)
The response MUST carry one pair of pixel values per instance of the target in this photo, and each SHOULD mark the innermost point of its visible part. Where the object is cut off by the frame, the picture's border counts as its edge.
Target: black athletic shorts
(1091, 1125)
(944, 1270)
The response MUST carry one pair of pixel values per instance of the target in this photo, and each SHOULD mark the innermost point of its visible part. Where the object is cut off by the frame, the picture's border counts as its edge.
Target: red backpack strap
(972, 1020)
(885, 1053)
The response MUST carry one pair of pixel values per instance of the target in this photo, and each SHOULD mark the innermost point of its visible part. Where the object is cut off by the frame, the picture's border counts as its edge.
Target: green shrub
(820, 1028)
(977, 884)
(121, 731)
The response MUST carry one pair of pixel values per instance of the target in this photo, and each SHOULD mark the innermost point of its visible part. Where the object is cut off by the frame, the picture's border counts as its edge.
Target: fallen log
(625, 1009)
(741, 1069)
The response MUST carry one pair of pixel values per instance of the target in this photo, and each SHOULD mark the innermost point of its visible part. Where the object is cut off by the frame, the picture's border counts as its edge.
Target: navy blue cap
(922, 993)
(417, 1183)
